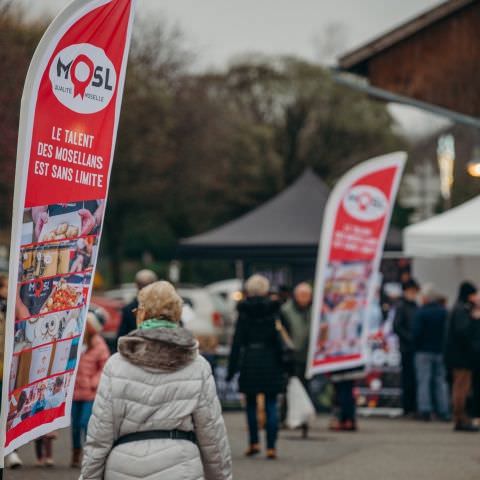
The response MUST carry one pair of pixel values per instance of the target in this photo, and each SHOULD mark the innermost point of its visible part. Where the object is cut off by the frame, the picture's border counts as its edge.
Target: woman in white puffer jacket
(156, 414)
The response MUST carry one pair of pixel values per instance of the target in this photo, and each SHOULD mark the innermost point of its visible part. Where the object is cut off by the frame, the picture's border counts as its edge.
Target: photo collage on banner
(345, 301)
(57, 256)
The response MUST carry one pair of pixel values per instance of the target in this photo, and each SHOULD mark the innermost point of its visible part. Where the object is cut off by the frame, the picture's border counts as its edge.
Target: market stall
(446, 248)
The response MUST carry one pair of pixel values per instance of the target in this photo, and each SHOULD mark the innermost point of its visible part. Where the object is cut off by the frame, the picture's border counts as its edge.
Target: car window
(188, 301)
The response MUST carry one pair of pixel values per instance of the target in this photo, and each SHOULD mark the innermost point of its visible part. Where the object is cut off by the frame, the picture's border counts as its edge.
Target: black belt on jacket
(154, 435)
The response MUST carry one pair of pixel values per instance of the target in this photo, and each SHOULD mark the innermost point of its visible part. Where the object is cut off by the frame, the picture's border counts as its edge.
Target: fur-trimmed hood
(160, 349)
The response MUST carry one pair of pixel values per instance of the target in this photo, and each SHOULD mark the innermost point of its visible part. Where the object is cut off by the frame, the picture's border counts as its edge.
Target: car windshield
(187, 301)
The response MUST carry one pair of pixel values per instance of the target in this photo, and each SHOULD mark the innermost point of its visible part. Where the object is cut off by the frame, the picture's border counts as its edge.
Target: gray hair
(257, 286)
(430, 293)
(145, 277)
(303, 286)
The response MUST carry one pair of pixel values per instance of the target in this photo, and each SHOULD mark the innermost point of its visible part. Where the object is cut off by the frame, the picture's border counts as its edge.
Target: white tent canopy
(446, 248)
(455, 233)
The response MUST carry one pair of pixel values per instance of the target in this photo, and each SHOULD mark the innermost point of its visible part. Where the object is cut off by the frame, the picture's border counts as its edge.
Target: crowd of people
(256, 355)
(440, 353)
(112, 421)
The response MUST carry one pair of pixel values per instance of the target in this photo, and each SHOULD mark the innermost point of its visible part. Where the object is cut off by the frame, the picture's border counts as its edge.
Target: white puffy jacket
(157, 382)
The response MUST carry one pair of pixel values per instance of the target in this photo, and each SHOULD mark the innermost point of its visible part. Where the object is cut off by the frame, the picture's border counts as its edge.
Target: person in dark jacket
(402, 325)
(429, 326)
(462, 338)
(128, 323)
(256, 355)
(474, 404)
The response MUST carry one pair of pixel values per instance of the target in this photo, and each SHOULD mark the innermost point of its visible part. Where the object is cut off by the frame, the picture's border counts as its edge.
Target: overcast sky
(218, 30)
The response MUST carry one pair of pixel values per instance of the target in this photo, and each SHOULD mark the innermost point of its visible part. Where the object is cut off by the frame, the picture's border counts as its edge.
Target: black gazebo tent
(283, 231)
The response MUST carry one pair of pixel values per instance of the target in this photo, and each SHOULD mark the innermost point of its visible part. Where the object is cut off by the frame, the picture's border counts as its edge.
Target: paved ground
(383, 448)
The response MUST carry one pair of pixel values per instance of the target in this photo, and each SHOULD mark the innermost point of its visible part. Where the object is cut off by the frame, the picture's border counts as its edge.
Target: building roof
(287, 225)
(355, 59)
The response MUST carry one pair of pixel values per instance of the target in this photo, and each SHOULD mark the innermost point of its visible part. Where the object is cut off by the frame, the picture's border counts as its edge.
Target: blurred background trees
(197, 149)
(17, 44)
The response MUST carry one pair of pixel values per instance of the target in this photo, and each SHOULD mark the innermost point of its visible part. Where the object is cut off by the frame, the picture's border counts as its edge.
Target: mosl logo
(365, 203)
(83, 78)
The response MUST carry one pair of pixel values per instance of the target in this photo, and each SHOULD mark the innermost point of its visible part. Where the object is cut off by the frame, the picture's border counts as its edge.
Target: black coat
(463, 338)
(475, 332)
(403, 324)
(129, 319)
(255, 350)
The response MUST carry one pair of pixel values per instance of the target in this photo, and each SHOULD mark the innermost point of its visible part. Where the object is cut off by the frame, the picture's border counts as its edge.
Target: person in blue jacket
(429, 328)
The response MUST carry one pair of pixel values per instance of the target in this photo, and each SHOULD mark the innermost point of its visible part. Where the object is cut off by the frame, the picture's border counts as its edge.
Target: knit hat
(410, 284)
(101, 314)
(466, 289)
(94, 324)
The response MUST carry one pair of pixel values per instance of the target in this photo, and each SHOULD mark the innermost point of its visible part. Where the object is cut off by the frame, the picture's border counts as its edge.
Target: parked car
(126, 293)
(227, 294)
(207, 321)
(230, 291)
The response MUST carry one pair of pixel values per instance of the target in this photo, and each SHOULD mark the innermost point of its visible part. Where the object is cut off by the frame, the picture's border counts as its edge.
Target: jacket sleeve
(238, 342)
(100, 433)
(399, 325)
(211, 433)
(285, 321)
(417, 328)
(102, 358)
(461, 323)
(128, 322)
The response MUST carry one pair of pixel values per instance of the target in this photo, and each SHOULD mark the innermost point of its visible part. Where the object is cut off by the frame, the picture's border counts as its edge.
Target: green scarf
(157, 323)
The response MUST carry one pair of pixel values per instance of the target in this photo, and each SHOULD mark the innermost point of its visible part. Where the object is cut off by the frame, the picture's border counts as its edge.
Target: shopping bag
(300, 409)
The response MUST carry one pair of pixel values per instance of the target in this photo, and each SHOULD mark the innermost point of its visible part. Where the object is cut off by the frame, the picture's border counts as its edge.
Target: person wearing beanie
(156, 414)
(462, 337)
(404, 313)
(94, 356)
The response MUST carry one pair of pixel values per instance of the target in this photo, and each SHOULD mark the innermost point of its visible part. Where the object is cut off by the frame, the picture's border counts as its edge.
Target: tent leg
(239, 269)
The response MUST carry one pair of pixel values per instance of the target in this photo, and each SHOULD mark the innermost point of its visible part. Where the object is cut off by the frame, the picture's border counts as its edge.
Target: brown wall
(439, 65)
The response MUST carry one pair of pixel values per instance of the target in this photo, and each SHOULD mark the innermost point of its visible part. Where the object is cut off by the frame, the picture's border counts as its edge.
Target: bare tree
(330, 42)
(5, 6)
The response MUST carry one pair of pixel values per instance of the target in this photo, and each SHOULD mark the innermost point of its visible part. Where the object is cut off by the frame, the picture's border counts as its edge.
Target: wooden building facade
(433, 58)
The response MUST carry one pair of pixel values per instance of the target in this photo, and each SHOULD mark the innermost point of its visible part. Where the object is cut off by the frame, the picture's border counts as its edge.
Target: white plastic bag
(300, 408)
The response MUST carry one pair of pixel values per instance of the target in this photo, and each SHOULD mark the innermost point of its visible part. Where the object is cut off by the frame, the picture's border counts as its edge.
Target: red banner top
(76, 111)
(362, 215)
